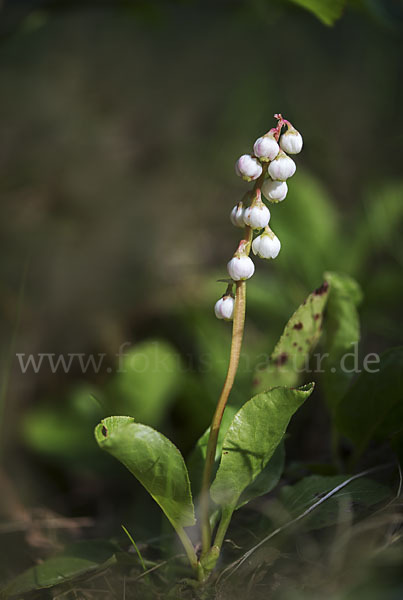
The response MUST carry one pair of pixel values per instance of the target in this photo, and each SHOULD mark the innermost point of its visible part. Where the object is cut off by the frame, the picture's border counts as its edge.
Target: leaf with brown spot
(300, 336)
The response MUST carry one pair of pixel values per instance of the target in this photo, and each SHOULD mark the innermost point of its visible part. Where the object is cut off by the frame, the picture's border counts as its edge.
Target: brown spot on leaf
(298, 326)
(294, 343)
(256, 382)
(322, 289)
(316, 316)
(281, 359)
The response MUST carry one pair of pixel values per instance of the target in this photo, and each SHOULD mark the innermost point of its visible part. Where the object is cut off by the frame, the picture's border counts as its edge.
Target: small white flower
(240, 267)
(236, 215)
(224, 308)
(257, 216)
(266, 245)
(248, 167)
(291, 141)
(282, 167)
(274, 191)
(266, 148)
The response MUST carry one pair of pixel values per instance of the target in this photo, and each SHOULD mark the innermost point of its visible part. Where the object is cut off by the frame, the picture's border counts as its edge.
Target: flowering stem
(237, 335)
(249, 167)
(236, 343)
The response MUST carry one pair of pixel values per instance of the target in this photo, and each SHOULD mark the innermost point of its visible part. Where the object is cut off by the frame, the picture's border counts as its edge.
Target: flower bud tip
(248, 167)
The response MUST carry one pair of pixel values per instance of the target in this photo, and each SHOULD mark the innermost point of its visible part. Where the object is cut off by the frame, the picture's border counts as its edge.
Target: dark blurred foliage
(120, 125)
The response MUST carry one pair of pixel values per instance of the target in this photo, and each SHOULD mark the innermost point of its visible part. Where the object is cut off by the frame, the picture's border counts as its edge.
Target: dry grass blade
(236, 564)
(53, 523)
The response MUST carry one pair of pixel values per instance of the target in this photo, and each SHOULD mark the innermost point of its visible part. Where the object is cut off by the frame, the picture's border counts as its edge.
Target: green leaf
(59, 430)
(61, 436)
(300, 336)
(327, 11)
(267, 479)
(152, 371)
(154, 461)
(263, 483)
(342, 324)
(253, 436)
(75, 561)
(372, 407)
(342, 331)
(360, 494)
(197, 458)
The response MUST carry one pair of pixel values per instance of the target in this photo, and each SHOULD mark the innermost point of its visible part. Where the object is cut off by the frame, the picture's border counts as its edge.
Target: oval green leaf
(356, 497)
(150, 370)
(252, 438)
(75, 561)
(154, 461)
(327, 11)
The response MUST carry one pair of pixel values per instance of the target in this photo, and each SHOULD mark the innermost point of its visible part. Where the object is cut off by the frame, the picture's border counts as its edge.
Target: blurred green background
(120, 126)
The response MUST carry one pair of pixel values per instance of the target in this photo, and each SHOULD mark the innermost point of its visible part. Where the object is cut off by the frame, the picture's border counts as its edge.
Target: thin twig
(55, 523)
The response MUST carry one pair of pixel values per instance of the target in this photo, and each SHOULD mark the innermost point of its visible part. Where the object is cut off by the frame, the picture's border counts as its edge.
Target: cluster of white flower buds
(270, 167)
(281, 167)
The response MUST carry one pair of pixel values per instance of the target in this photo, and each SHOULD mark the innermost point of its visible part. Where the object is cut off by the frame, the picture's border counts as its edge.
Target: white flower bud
(266, 148)
(274, 191)
(291, 141)
(224, 308)
(248, 167)
(257, 216)
(266, 245)
(240, 267)
(236, 215)
(282, 167)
